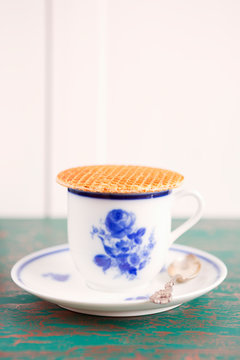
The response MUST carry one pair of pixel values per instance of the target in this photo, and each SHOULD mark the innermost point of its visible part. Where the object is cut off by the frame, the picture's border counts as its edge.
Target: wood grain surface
(205, 328)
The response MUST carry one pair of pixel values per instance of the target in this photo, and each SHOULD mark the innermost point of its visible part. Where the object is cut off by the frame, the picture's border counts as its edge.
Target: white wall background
(148, 82)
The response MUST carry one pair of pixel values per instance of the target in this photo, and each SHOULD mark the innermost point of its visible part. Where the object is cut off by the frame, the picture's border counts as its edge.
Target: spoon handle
(164, 296)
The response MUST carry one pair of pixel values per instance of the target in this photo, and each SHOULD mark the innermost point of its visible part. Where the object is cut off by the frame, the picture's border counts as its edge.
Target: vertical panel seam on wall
(48, 4)
(101, 116)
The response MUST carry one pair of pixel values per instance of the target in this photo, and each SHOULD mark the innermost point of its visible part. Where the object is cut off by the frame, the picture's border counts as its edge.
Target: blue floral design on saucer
(123, 244)
(57, 277)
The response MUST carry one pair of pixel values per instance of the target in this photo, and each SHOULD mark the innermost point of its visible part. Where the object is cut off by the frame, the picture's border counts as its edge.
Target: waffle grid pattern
(120, 179)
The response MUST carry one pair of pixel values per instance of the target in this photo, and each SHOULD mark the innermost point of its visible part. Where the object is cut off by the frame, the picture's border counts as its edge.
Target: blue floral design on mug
(123, 245)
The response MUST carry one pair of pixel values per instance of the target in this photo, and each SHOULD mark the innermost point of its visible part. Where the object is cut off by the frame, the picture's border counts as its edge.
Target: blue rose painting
(122, 243)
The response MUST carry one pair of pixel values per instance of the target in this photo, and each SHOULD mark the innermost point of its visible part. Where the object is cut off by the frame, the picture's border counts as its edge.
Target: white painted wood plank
(174, 93)
(171, 98)
(22, 107)
(75, 91)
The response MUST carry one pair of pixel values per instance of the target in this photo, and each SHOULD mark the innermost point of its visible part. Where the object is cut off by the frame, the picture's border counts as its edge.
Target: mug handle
(193, 219)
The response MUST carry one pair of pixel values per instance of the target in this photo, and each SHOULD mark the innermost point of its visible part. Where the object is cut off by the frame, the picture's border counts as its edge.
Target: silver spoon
(180, 271)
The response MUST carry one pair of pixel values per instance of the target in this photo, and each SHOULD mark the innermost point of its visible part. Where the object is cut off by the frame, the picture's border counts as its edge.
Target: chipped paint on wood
(205, 328)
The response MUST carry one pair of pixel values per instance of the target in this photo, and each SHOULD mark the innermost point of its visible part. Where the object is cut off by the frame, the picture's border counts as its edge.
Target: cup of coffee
(119, 222)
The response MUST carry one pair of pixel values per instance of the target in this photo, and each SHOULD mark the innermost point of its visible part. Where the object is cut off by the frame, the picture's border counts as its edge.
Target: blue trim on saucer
(29, 261)
(120, 196)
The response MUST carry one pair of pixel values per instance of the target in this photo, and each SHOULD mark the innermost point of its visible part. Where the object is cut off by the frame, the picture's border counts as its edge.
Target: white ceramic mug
(121, 241)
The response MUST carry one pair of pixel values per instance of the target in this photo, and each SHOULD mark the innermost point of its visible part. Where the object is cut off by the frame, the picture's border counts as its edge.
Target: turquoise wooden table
(205, 328)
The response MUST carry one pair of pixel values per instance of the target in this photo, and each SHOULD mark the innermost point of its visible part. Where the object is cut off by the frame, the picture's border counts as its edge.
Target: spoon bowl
(184, 269)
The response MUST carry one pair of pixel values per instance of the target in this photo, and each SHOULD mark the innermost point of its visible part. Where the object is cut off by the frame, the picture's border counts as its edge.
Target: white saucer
(50, 274)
